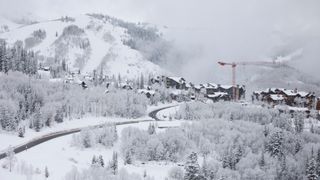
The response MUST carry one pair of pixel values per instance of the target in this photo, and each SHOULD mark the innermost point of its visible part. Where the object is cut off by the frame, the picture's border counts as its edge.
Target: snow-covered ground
(9, 139)
(60, 157)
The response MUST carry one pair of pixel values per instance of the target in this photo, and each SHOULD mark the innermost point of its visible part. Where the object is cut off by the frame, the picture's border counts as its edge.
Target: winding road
(47, 137)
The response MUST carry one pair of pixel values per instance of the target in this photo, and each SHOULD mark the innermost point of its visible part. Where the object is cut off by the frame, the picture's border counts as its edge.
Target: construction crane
(233, 65)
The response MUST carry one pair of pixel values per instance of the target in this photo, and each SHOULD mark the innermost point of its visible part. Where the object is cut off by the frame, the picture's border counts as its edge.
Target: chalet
(286, 96)
(175, 82)
(290, 96)
(209, 89)
(263, 95)
(179, 95)
(189, 86)
(229, 89)
(275, 99)
(199, 88)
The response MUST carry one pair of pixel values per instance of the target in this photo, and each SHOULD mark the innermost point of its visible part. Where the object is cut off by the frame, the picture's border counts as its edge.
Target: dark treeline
(17, 58)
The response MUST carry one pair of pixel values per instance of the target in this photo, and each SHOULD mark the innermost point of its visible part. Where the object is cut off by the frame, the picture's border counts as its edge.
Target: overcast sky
(208, 30)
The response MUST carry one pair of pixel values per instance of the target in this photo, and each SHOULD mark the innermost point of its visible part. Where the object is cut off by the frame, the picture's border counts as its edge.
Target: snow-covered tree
(311, 169)
(275, 144)
(176, 173)
(46, 172)
(151, 128)
(113, 164)
(128, 157)
(101, 161)
(10, 158)
(21, 131)
(192, 168)
(37, 118)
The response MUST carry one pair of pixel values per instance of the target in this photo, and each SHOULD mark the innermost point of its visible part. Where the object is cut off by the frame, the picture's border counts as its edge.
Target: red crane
(235, 64)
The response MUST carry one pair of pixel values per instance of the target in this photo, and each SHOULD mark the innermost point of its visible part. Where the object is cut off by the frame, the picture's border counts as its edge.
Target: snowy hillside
(90, 42)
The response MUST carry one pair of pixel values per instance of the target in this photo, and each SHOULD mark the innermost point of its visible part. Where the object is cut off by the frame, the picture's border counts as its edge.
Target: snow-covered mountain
(91, 42)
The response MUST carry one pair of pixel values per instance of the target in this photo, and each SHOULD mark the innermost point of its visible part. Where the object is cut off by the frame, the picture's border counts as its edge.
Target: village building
(175, 82)
(285, 96)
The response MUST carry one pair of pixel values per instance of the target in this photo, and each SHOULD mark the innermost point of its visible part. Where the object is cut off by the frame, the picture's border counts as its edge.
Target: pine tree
(128, 157)
(94, 161)
(192, 168)
(275, 144)
(318, 162)
(37, 118)
(238, 153)
(115, 133)
(58, 116)
(21, 131)
(262, 162)
(297, 147)
(119, 78)
(141, 82)
(312, 128)
(145, 174)
(113, 165)
(46, 172)
(101, 161)
(10, 157)
(226, 160)
(151, 129)
(64, 65)
(282, 173)
(299, 124)
(311, 169)
(205, 169)
(266, 131)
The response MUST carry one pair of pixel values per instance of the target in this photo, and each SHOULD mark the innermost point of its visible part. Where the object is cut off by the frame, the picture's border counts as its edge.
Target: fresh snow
(60, 157)
(118, 58)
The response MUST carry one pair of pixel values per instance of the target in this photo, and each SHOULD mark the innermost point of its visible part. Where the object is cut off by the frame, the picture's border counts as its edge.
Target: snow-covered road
(49, 136)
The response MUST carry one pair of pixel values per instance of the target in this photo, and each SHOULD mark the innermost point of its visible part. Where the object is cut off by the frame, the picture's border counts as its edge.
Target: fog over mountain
(207, 31)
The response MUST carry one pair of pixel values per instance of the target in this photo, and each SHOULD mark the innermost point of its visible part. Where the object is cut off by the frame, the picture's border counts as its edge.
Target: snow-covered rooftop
(277, 97)
(177, 79)
(217, 94)
(290, 92)
(226, 86)
(303, 94)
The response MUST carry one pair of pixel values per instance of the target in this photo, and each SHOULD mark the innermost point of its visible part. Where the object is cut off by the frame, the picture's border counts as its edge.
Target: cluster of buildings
(215, 92)
(182, 90)
(279, 96)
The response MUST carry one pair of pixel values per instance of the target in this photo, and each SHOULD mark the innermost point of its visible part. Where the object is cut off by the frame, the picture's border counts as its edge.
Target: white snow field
(60, 156)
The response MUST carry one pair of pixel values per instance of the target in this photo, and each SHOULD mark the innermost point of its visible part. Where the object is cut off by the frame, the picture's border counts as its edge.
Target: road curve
(45, 138)
(153, 114)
